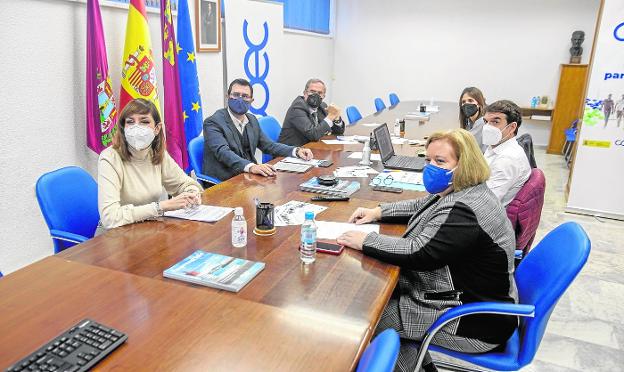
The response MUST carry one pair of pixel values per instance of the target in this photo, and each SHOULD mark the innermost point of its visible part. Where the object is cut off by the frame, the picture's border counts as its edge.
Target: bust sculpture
(576, 51)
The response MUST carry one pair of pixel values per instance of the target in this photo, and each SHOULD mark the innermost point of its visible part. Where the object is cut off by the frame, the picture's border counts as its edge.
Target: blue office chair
(353, 114)
(570, 136)
(68, 201)
(394, 99)
(379, 104)
(381, 355)
(196, 158)
(1, 274)
(542, 278)
(271, 128)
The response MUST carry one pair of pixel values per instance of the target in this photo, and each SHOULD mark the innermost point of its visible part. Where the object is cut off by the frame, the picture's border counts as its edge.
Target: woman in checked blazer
(458, 248)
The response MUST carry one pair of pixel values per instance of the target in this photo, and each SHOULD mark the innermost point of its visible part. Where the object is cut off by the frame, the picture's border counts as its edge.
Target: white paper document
(399, 140)
(371, 124)
(356, 138)
(313, 162)
(358, 155)
(408, 177)
(203, 213)
(338, 142)
(354, 171)
(332, 230)
(293, 212)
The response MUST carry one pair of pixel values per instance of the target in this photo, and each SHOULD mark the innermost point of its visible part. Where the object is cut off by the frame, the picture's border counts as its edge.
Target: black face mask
(314, 100)
(469, 109)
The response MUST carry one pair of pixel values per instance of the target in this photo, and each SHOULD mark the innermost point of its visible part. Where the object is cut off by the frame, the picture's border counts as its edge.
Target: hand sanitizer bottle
(366, 154)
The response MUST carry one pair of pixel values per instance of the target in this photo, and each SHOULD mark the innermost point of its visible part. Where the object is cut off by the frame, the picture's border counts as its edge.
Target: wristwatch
(159, 210)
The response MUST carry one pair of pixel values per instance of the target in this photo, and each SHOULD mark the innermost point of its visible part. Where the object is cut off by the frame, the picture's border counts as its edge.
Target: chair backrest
(196, 153)
(379, 104)
(68, 201)
(271, 128)
(381, 355)
(0, 274)
(543, 276)
(526, 142)
(353, 114)
(394, 99)
(525, 210)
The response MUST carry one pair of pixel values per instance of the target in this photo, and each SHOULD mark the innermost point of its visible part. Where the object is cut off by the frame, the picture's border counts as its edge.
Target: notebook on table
(389, 159)
(215, 270)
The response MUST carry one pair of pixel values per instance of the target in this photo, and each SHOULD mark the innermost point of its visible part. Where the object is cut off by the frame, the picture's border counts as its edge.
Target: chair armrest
(205, 178)
(482, 308)
(472, 308)
(67, 236)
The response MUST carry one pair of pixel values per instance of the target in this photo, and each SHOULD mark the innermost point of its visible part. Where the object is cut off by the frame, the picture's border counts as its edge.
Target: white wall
(419, 49)
(42, 103)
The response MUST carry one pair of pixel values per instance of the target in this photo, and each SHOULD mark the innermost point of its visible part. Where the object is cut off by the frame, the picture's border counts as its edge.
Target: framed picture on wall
(208, 25)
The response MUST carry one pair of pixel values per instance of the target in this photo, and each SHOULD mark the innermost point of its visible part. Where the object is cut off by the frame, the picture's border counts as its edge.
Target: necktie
(315, 117)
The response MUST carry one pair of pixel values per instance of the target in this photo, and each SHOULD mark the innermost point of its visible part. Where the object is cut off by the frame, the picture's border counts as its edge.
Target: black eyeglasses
(244, 96)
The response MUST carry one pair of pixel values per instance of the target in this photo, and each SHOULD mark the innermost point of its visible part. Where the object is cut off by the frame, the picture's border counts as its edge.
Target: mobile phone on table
(331, 248)
(325, 163)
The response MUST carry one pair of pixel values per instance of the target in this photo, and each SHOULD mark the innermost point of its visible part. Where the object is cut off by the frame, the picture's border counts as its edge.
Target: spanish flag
(138, 74)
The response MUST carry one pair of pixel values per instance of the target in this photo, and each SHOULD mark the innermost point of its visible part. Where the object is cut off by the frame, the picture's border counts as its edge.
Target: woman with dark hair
(134, 170)
(471, 110)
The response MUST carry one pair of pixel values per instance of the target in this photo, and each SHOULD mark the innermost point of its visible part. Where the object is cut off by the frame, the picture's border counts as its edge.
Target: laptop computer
(389, 159)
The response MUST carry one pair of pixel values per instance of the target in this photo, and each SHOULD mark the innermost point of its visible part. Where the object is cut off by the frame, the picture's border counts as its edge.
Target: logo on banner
(253, 74)
(619, 142)
(618, 32)
(139, 72)
(108, 112)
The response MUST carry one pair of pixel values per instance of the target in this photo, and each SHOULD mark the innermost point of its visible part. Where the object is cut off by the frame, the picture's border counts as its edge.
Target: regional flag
(174, 122)
(101, 111)
(191, 99)
(138, 74)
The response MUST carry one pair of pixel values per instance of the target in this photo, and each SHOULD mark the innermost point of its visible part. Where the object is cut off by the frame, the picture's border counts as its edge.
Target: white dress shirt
(509, 168)
(240, 125)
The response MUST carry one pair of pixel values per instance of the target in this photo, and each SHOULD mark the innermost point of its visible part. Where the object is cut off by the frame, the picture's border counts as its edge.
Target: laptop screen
(384, 142)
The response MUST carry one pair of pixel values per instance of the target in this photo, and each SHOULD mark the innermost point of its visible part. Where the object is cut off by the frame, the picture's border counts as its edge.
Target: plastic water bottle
(366, 153)
(308, 239)
(397, 128)
(239, 229)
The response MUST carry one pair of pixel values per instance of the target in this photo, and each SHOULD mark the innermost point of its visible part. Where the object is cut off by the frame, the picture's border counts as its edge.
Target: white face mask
(139, 136)
(491, 135)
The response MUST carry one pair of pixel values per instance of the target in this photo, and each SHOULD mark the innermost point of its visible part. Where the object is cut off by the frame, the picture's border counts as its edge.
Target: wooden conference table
(290, 317)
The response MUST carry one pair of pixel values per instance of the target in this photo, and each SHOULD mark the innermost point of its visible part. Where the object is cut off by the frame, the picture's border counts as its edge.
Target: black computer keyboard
(77, 349)
(406, 162)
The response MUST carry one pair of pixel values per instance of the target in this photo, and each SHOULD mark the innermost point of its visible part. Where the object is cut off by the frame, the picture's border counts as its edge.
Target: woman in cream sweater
(133, 172)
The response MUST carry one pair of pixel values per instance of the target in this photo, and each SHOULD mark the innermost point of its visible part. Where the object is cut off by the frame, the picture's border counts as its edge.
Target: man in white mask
(508, 162)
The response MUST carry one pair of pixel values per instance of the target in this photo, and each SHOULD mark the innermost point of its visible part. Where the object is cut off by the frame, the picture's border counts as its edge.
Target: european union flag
(189, 84)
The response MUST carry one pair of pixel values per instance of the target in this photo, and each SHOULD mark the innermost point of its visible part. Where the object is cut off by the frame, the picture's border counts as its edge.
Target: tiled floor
(586, 329)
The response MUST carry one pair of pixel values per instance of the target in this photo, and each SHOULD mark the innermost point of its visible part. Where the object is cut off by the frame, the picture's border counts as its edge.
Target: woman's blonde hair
(472, 169)
(143, 107)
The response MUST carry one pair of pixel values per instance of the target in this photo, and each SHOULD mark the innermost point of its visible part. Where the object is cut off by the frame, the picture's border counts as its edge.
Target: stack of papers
(331, 230)
(293, 212)
(203, 213)
(354, 171)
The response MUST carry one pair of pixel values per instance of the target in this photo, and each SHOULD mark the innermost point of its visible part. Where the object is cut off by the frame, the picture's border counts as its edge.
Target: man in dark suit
(231, 136)
(309, 118)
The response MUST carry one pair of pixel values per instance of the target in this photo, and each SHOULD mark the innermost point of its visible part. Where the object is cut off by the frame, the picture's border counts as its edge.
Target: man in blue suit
(231, 136)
